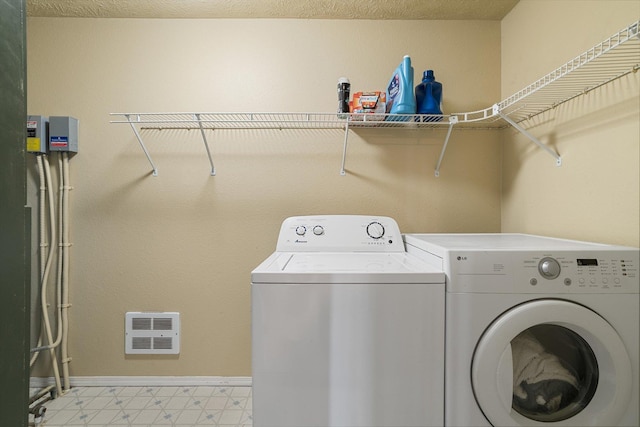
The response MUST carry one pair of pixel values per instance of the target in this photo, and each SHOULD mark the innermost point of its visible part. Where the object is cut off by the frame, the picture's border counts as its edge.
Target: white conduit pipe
(58, 309)
(43, 296)
(44, 257)
(60, 255)
(65, 273)
(42, 241)
(63, 267)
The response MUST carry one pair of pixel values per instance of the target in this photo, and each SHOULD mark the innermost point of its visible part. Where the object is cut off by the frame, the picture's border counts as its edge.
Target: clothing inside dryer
(555, 373)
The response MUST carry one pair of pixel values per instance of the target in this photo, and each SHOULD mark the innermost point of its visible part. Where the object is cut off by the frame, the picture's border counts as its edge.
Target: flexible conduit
(44, 279)
(46, 259)
(42, 242)
(42, 235)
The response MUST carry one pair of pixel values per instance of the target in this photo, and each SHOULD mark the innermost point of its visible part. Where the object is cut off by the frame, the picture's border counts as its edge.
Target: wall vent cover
(152, 332)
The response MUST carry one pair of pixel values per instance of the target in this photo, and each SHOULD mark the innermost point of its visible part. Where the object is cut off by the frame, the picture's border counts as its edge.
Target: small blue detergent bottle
(400, 98)
(429, 95)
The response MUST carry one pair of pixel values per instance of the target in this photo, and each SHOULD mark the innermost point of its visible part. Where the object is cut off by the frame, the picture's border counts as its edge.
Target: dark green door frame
(14, 218)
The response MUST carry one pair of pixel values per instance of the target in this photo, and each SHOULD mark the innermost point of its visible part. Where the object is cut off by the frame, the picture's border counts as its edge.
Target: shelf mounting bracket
(496, 110)
(452, 121)
(206, 144)
(344, 148)
(139, 138)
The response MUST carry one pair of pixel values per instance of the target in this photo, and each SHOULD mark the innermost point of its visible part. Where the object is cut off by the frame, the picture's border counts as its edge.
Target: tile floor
(150, 406)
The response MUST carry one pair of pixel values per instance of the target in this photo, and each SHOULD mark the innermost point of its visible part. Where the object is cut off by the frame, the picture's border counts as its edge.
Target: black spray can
(344, 90)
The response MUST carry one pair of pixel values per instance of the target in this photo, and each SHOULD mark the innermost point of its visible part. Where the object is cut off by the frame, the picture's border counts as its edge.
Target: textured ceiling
(305, 9)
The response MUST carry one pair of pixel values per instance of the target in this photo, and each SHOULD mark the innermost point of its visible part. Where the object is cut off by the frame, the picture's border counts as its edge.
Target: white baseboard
(158, 381)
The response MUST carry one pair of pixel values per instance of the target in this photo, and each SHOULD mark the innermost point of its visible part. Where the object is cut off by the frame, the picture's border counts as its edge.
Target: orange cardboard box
(373, 102)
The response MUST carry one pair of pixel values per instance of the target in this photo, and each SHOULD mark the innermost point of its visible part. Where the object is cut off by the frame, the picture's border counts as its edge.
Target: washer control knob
(318, 230)
(375, 230)
(300, 230)
(549, 268)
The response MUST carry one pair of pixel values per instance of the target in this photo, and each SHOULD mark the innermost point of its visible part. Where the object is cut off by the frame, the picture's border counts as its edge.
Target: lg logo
(462, 258)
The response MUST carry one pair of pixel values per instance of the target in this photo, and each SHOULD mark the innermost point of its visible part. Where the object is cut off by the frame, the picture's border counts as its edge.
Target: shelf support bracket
(496, 110)
(135, 131)
(344, 149)
(206, 144)
(452, 121)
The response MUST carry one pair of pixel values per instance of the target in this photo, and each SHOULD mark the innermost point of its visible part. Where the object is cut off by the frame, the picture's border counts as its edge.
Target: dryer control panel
(340, 233)
(555, 272)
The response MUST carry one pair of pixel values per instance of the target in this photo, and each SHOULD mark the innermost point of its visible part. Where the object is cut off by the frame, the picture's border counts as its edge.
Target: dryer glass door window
(555, 373)
(551, 361)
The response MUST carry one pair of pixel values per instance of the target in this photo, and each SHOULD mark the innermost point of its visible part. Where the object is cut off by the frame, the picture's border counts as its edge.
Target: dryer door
(551, 361)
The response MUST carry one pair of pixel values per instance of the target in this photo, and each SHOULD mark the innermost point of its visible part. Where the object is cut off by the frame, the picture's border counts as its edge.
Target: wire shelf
(212, 121)
(615, 57)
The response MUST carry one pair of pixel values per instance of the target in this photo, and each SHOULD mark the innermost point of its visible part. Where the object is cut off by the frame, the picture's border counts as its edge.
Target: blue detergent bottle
(400, 98)
(429, 95)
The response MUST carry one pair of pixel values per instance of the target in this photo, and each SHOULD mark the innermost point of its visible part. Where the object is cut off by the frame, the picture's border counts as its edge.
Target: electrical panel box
(63, 134)
(37, 134)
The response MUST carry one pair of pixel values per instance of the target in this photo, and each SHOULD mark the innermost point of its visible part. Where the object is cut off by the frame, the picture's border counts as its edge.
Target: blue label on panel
(59, 141)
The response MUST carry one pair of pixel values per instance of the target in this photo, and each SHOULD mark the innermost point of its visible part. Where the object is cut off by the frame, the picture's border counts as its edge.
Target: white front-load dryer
(347, 328)
(538, 331)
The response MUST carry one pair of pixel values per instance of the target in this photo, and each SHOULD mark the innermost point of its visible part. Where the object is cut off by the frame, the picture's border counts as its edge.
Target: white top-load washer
(347, 329)
(539, 331)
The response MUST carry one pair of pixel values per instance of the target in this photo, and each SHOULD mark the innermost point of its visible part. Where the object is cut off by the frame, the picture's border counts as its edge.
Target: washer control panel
(604, 271)
(601, 271)
(340, 233)
(608, 271)
(510, 263)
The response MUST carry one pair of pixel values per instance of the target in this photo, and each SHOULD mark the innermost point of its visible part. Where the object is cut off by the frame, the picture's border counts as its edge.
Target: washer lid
(337, 267)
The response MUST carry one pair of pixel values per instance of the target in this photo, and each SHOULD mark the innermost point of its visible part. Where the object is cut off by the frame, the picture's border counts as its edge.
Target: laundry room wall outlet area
(177, 238)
